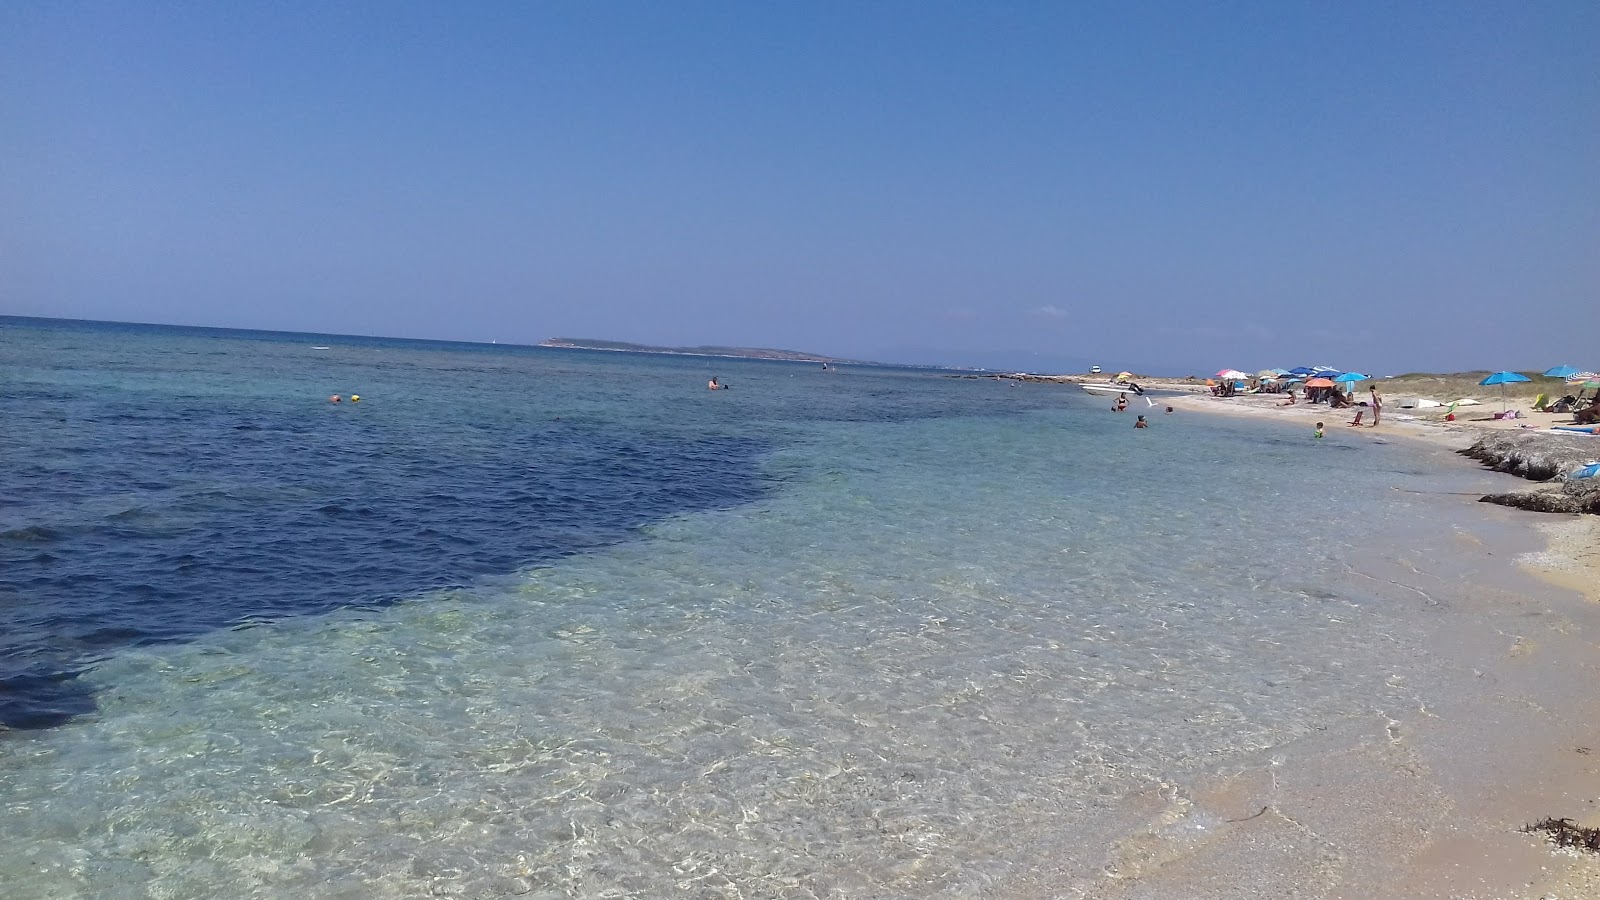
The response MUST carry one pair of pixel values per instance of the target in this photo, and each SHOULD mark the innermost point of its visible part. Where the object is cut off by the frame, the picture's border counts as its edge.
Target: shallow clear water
(872, 633)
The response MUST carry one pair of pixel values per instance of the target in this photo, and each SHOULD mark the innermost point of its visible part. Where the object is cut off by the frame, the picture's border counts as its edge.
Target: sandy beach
(1444, 808)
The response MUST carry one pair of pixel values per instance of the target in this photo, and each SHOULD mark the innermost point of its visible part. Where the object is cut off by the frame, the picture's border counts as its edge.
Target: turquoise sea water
(555, 623)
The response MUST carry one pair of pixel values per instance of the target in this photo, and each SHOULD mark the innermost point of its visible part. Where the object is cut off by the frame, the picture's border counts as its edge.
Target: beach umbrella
(1561, 372)
(1124, 376)
(1320, 382)
(1267, 373)
(1581, 377)
(1352, 376)
(1281, 372)
(1503, 379)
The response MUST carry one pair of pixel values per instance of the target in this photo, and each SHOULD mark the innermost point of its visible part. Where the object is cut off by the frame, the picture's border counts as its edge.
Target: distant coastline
(725, 352)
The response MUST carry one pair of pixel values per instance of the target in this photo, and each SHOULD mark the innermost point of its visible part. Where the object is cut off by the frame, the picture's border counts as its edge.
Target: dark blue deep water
(157, 483)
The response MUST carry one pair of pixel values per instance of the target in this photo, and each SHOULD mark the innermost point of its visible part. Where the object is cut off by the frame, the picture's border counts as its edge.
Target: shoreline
(1566, 561)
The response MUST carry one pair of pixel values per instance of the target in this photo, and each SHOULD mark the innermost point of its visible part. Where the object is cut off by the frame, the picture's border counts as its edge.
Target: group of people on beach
(1374, 405)
(1337, 400)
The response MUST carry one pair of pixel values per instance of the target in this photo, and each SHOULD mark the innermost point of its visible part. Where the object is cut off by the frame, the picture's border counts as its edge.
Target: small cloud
(1048, 312)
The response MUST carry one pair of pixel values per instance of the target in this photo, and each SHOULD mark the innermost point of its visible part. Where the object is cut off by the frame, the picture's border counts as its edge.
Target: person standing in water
(1318, 433)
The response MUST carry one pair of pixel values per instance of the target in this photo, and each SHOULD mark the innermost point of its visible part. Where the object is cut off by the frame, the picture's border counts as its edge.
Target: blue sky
(1164, 186)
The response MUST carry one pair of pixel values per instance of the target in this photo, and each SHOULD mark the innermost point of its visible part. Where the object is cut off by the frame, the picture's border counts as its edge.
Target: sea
(562, 623)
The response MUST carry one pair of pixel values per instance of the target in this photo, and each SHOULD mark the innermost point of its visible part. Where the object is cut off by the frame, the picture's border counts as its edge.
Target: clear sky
(1166, 186)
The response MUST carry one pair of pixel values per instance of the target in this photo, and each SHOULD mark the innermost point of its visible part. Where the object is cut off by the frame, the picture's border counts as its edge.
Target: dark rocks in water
(1537, 501)
(1542, 456)
(1567, 833)
(1536, 455)
(1576, 495)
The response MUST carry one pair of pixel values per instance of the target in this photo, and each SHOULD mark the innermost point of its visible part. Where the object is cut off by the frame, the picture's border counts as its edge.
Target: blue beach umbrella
(1561, 372)
(1302, 371)
(1503, 379)
(1352, 376)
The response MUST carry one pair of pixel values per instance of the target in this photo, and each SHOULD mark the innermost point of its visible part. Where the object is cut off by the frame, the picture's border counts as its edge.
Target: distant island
(736, 352)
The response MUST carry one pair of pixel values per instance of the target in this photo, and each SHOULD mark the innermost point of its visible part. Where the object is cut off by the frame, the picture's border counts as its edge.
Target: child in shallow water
(1141, 423)
(1318, 432)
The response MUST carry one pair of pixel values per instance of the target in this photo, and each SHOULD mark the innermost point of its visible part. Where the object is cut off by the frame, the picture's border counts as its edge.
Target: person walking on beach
(1374, 401)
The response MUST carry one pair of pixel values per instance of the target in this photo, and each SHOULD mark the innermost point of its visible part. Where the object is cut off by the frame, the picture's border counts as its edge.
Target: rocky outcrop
(1535, 455)
(1548, 501)
(1542, 456)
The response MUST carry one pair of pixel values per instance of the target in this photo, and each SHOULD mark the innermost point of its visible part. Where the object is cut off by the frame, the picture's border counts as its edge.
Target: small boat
(1113, 387)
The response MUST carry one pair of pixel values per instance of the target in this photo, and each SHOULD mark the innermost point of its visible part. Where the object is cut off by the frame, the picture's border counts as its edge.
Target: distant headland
(736, 352)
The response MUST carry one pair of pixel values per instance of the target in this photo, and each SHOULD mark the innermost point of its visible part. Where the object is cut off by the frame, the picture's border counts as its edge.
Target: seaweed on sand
(1567, 833)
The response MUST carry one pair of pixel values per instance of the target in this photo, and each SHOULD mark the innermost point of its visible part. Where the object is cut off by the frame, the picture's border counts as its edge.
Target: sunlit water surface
(867, 633)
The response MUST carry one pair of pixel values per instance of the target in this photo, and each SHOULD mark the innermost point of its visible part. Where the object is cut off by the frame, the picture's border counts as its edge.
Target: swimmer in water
(1318, 433)
(1141, 423)
(335, 398)
(712, 384)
